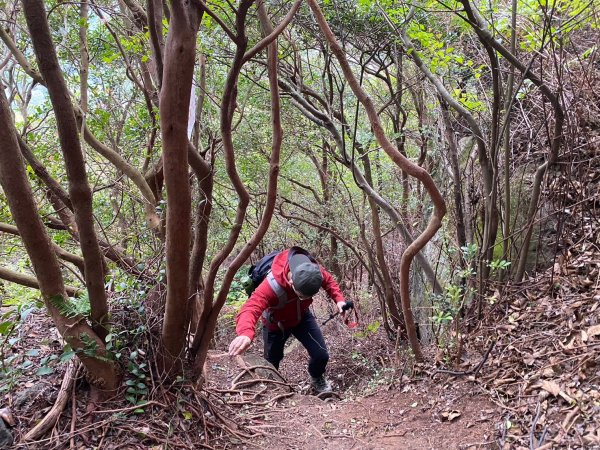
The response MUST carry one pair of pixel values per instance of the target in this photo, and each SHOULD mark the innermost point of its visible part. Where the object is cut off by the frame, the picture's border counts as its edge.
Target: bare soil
(384, 401)
(418, 414)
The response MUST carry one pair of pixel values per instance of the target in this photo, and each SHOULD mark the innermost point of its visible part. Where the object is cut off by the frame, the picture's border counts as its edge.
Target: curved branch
(40, 170)
(435, 221)
(204, 7)
(328, 230)
(20, 57)
(62, 204)
(325, 121)
(120, 163)
(264, 42)
(315, 194)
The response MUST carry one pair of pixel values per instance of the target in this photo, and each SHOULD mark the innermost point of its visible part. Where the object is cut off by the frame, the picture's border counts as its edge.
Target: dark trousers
(310, 336)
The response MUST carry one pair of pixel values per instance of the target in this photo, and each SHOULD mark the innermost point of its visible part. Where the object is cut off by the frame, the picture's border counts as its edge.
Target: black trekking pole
(349, 305)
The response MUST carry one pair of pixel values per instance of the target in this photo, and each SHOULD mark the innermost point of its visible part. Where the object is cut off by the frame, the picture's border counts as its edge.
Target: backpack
(259, 271)
(262, 269)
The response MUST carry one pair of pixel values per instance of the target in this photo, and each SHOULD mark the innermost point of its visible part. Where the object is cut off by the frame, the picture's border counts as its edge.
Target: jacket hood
(280, 269)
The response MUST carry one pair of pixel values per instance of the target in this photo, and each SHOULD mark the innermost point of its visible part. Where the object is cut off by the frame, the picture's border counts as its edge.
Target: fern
(70, 309)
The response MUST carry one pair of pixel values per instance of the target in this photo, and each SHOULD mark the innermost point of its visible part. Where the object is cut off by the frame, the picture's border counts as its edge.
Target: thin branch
(308, 188)
(202, 5)
(264, 42)
(60, 252)
(31, 281)
(20, 57)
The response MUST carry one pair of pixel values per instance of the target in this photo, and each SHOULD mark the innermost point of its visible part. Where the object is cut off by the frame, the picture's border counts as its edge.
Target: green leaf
(44, 371)
(6, 327)
(187, 415)
(27, 363)
(67, 355)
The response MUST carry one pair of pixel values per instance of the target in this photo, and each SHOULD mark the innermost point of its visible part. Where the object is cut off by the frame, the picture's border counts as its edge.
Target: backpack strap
(279, 291)
(282, 296)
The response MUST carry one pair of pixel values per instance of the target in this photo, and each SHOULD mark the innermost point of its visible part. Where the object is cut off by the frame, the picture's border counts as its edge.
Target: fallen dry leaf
(550, 386)
(450, 415)
(584, 336)
(6, 415)
(593, 331)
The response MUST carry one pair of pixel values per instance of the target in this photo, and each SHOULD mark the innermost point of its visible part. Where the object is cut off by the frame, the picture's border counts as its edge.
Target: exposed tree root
(63, 396)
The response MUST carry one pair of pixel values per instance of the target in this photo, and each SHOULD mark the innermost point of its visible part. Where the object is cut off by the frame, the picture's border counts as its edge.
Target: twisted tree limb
(435, 221)
(202, 339)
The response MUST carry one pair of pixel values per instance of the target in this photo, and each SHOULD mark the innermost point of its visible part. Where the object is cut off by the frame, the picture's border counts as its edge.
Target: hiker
(282, 299)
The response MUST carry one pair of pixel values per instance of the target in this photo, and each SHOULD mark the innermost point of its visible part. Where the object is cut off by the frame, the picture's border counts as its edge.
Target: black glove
(349, 305)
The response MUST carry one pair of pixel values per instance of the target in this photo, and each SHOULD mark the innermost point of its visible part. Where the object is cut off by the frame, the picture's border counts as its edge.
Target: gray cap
(306, 275)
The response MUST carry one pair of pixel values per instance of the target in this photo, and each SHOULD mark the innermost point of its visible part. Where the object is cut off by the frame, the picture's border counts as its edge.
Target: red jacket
(264, 298)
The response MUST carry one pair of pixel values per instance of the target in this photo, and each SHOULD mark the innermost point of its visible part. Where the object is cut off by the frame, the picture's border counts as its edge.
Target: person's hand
(239, 345)
(340, 306)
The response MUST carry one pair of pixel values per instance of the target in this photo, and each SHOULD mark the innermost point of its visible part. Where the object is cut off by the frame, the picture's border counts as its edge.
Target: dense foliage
(482, 96)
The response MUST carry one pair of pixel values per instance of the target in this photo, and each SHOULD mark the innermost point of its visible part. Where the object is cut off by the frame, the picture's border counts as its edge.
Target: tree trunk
(204, 177)
(102, 372)
(174, 108)
(461, 235)
(388, 285)
(508, 102)
(79, 190)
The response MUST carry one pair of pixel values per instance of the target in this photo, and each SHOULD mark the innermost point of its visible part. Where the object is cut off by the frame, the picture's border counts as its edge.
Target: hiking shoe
(320, 384)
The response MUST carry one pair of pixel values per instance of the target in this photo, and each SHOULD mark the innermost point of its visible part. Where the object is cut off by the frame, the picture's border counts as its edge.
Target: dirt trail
(392, 419)
(422, 414)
